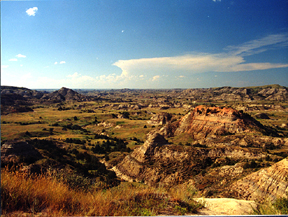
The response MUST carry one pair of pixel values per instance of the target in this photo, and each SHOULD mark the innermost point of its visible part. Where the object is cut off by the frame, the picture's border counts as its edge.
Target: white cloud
(14, 60)
(216, 0)
(155, 78)
(62, 62)
(20, 56)
(32, 11)
(232, 60)
(259, 45)
(55, 63)
(75, 75)
(4, 66)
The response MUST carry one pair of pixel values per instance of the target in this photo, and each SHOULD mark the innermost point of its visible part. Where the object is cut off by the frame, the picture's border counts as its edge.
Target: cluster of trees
(110, 145)
(76, 141)
(62, 156)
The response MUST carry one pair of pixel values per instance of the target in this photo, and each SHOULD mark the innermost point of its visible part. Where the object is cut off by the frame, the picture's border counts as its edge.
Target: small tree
(51, 131)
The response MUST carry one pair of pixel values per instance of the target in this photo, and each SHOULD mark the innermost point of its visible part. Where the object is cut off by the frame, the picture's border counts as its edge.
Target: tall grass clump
(20, 192)
(45, 194)
(278, 207)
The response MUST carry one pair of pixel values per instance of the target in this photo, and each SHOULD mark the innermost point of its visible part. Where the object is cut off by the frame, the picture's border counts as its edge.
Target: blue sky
(144, 44)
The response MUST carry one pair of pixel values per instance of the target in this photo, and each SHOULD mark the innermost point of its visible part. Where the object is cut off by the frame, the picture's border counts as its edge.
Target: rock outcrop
(206, 121)
(160, 119)
(269, 183)
(159, 163)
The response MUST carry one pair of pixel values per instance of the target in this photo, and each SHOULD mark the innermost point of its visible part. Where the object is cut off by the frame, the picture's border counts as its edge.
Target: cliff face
(268, 183)
(205, 121)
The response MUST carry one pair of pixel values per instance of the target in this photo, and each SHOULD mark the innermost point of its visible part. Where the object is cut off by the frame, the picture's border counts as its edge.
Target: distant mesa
(64, 94)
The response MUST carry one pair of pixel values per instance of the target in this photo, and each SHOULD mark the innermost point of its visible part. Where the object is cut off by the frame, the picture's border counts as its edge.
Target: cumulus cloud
(13, 60)
(231, 60)
(32, 11)
(62, 62)
(20, 56)
(155, 78)
(56, 63)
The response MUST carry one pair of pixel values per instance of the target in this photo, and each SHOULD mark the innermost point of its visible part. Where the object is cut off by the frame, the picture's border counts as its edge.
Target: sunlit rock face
(160, 119)
(269, 183)
(205, 121)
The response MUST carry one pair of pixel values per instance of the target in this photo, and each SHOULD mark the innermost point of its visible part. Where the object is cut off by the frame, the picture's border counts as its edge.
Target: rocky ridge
(64, 94)
(268, 92)
(268, 183)
(206, 121)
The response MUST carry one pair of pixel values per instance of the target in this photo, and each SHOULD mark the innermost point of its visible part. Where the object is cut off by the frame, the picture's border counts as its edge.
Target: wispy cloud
(231, 60)
(32, 11)
(62, 62)
(13, 59)
(4, 66)
(56, 63)
(216, 0)
(20, 56)
(259, 45)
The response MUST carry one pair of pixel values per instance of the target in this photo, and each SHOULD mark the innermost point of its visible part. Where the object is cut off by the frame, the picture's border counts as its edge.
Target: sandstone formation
(206, 121)
(268, 183)
(160, 119)
(159, 163)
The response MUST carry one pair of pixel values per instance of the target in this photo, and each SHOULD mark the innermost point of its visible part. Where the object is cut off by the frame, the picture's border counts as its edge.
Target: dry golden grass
(44, 194)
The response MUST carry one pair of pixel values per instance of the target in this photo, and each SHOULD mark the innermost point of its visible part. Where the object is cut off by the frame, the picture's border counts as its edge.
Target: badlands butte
(224, 142)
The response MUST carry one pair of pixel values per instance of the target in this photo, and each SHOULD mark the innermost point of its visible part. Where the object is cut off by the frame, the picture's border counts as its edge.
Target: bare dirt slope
(214, 206)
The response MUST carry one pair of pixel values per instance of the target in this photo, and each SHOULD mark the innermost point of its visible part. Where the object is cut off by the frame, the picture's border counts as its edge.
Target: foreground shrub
(279, 207)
